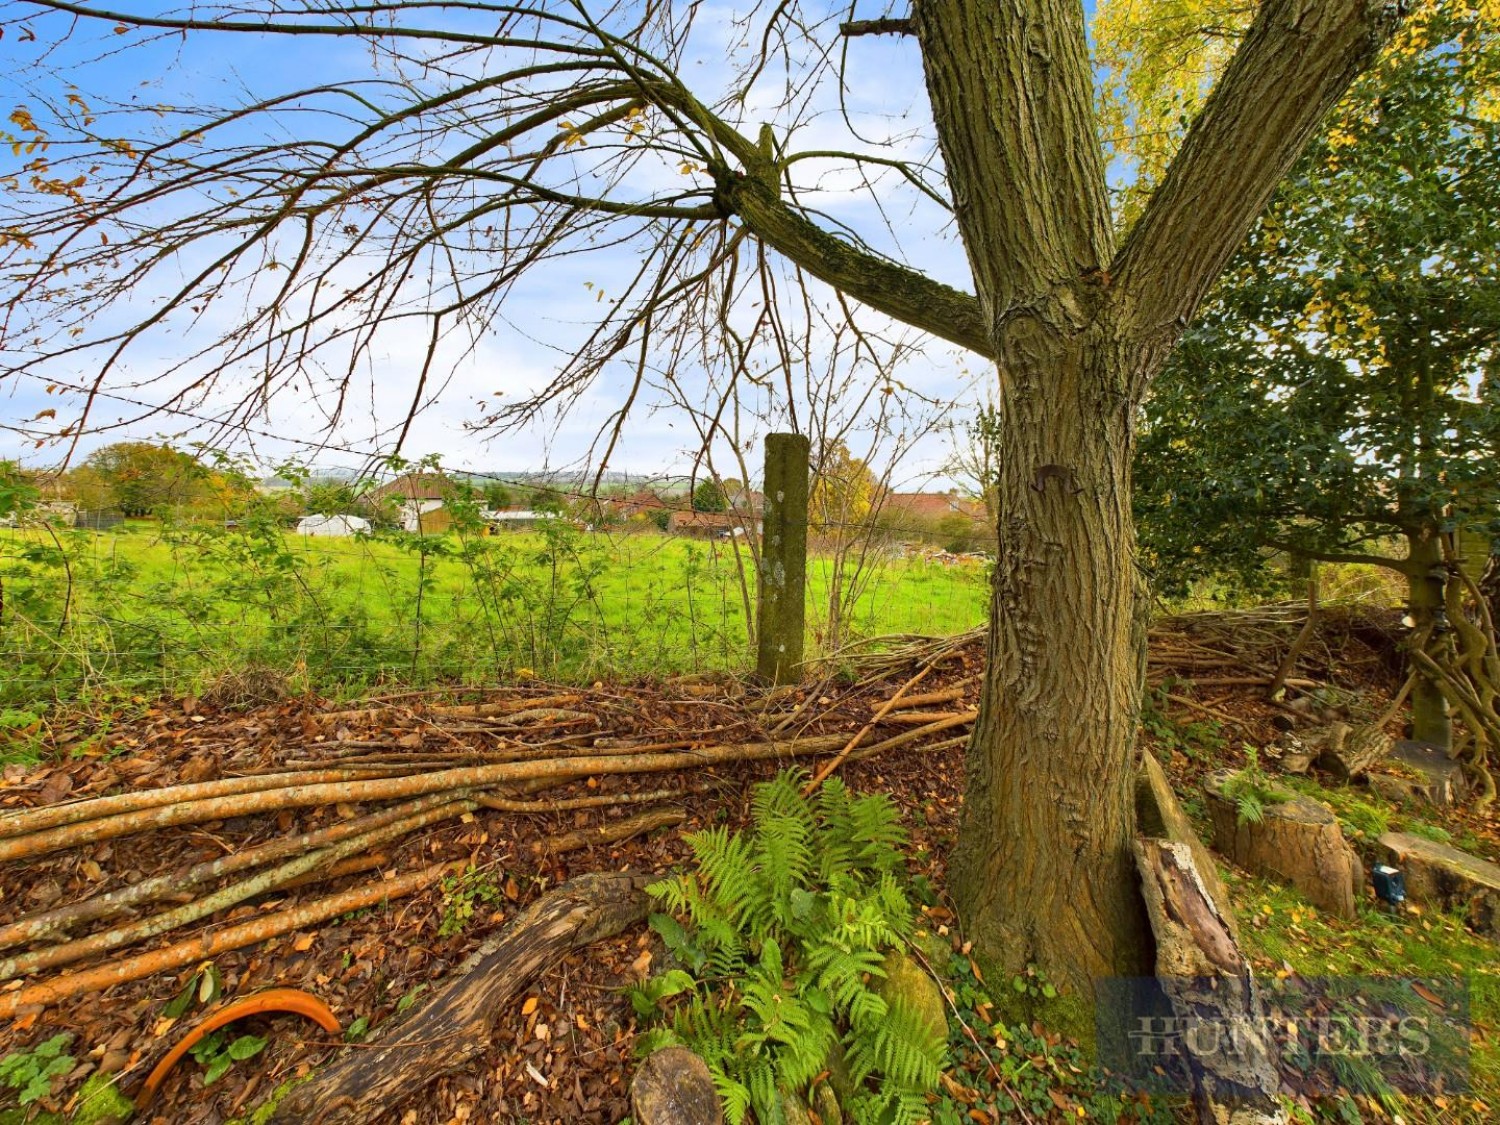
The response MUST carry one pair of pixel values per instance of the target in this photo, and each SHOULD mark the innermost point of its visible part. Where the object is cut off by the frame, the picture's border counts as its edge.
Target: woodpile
(421, 771)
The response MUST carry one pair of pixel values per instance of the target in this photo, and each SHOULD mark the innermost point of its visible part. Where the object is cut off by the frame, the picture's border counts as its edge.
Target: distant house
(332, 527)
(929, 507)
(638, 506)
(747, 500)
(712, 525)
(418, 499)
(514, 521)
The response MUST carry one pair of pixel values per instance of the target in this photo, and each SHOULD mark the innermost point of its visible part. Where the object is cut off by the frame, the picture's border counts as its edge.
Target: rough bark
(1042, 870)
(442, 1035)
(780, 626)
(1430, 718)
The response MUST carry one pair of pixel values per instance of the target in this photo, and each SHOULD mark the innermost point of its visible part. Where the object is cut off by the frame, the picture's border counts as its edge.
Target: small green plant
(461, 894)
(409, 998)
(784, 934)
(1192, 739)
(34, 1072)
(23, 734)
(1033, 983)
(1023, 1072)
(1251, 789)
(216, 1053)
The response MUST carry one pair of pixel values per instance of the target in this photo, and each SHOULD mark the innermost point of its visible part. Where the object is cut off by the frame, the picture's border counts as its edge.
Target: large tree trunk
(1430, 720)
(1042, 870)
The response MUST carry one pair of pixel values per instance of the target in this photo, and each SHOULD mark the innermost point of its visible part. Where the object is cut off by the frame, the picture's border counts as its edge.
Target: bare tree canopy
(483, 140)
(472, 146)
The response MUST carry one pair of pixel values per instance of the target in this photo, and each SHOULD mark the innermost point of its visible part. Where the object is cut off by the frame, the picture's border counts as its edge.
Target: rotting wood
(453, 1026)
(1346, 752)
(1206, 978)
(191, 951)
(673, 1086)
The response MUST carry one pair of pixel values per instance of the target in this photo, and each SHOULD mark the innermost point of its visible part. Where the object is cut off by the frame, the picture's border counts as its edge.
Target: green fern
(788, 926)
(1251, 789)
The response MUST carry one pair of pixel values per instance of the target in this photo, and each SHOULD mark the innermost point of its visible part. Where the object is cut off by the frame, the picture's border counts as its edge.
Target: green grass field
(150, 607)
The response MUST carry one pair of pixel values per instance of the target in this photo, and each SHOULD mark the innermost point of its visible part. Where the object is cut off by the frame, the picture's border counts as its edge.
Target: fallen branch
(610, 832)
(273, 879)
(454, 1026)
(111, 903)
(1211, 712)
(168, 807)
(51, 816)
(833, 764)
(502, 707)
(191, 951)
(946, 695)
(569, 804)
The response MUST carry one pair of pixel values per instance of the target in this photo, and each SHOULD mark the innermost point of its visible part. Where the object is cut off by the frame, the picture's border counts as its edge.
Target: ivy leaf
(246, 1047)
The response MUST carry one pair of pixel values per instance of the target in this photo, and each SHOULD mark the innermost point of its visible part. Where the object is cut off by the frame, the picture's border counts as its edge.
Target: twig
(834, 763)
(191, 951)
(119, 901)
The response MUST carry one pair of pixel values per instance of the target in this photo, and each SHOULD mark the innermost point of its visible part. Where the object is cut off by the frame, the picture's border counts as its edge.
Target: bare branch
(852, 28)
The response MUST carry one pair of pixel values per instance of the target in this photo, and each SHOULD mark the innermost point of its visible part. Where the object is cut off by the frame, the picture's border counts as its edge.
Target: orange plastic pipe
(271, 1000)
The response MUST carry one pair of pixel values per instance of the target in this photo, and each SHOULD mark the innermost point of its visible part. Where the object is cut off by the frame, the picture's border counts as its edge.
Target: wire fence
(179, 607)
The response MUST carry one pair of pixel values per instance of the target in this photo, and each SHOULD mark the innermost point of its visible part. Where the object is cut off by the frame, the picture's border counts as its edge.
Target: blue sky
(885, 92)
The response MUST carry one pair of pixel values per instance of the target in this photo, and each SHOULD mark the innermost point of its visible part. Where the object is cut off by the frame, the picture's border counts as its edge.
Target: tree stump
(1443, 876)
(1427, 774)
(453, 1026)
(673, 1087)
(1297, 841)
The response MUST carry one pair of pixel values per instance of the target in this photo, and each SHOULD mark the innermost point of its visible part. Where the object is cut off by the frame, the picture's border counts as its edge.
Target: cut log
(673, 1087)
(1208, 982)
(1442, 876)
(1297, 841)
(441, 1036)
(1346, 752)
